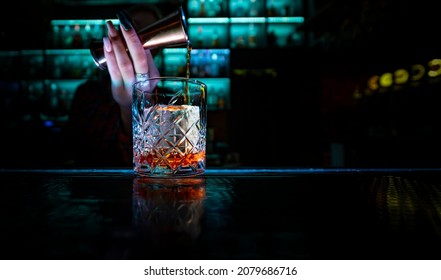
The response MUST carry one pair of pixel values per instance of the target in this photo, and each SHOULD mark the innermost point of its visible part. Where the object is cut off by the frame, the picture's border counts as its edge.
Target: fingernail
(107, 45)
(111, 29)
(125, 22)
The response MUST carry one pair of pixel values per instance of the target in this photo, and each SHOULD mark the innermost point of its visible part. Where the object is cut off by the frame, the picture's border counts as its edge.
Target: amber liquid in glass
(176, 144)
(174, 159)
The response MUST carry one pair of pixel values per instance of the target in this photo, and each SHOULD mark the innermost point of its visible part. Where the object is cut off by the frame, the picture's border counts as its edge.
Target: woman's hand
(123, 67)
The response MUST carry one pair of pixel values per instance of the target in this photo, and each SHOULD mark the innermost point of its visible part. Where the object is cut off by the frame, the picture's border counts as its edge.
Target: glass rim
(173, 78)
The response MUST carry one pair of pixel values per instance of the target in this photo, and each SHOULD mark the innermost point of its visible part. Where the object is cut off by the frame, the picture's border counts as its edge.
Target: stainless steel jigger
(170, 31)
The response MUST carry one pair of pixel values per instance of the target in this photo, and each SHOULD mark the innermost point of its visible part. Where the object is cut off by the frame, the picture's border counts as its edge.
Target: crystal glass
(169, 127)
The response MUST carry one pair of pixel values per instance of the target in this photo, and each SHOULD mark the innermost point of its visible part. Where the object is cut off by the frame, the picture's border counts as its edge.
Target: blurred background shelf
(333, 72)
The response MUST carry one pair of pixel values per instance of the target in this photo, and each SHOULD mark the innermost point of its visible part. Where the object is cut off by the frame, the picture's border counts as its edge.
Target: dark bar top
(242, 213)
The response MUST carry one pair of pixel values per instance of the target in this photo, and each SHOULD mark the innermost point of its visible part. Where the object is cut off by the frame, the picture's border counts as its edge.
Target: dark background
(315, 112)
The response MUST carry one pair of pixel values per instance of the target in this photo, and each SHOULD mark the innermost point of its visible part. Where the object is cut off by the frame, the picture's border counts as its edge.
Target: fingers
(134, 45)
(112, 64)
(125, 54)
(119, 51)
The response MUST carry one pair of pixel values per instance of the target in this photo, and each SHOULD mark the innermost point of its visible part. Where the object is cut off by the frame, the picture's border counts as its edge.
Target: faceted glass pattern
(169, 127)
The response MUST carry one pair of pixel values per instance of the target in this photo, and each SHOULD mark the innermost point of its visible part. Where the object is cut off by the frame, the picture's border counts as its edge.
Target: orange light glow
(373, 82)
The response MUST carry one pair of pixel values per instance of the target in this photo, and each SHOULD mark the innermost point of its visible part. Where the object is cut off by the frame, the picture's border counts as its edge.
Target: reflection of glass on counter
(168, 207)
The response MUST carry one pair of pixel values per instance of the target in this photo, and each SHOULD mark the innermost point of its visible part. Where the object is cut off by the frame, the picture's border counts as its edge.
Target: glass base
(159, 172)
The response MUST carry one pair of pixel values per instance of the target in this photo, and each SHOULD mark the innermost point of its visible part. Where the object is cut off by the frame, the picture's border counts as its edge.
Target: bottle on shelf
(214, 62)
(67, 36)
(254, 8)
(199, 38)
(193, 8)
(77, 39)
(252, 36)
(56, 36)
(202, 10)
(215, 40)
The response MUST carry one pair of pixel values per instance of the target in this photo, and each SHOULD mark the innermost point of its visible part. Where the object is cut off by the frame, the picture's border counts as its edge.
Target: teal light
(56, 22)
(248, 20)
(67, 52)
(175, 59)
(212, 35)
(282, 30)
(208, 20)
(175, 51)
(217, 84)
(9, 53)
(285, 19)
(212, 51)
(247, 35)
(114, 21)
(32, 52)
(167, 51)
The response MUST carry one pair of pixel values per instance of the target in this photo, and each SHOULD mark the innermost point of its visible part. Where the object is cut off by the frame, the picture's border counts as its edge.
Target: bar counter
(241, 213)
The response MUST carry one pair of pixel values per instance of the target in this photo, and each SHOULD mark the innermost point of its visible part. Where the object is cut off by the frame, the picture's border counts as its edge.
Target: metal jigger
(170, 31)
